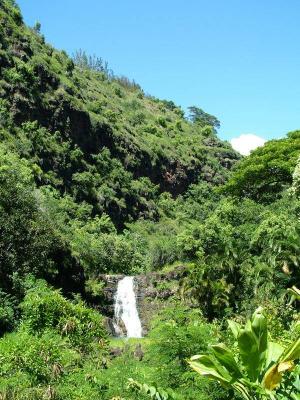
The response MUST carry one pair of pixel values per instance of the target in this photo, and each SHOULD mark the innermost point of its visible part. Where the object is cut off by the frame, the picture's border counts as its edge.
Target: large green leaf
(226, 358)
(260, 329)
(253, 344)
(249, 353)
(274, 351)
(292, 352)
(205, 365)
(235, 328)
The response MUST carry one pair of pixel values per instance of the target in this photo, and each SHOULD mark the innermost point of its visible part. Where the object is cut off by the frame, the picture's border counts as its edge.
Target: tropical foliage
(260, 365)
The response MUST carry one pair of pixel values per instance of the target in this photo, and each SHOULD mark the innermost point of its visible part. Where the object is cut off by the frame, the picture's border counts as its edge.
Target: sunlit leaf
(292, 352)
(235, 328)
(226, 358)
(273, 353)
(206, 366)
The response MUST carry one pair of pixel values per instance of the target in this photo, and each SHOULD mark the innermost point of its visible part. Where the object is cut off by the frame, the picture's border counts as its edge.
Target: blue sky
(236, 59)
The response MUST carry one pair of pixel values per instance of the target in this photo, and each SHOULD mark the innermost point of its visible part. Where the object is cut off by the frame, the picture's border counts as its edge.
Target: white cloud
(246, 142)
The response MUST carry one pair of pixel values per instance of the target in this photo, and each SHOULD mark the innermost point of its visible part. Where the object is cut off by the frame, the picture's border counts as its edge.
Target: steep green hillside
(98, 138)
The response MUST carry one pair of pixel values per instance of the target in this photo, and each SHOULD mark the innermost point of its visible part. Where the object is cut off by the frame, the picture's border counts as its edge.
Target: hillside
(97, 137)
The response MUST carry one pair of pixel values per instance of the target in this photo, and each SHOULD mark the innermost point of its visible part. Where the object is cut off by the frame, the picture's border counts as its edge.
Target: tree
(37, 27)
(25, 236)
(92, 62)
(267, 171)
(201, 118)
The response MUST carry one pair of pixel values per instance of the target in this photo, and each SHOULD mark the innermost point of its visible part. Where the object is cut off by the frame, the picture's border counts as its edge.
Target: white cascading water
(126, 310)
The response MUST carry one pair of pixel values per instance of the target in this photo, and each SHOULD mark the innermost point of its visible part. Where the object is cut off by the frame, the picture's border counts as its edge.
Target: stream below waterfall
(126, 317)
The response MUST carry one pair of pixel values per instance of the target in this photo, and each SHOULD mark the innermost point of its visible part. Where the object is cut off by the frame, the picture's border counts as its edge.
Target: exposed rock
(153, 290)
(138, 352)
(116, 352)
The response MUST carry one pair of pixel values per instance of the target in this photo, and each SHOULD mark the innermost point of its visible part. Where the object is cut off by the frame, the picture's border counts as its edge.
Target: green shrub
(118, 91)
(178, 125)
(176, 334)
(137, 118)
(111, 116)
(44, 308)
(151, 129)
(162, 122)
(8, 311)
(35, 359)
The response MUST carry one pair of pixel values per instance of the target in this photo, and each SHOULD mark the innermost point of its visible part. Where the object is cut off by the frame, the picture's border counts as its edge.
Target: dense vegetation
(98, 177)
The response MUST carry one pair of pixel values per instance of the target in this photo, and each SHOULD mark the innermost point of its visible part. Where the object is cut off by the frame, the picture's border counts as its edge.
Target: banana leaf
(253, 345)
(205, 365)
(235, 328)
(274, 352)
(226, 358)
(292, 352)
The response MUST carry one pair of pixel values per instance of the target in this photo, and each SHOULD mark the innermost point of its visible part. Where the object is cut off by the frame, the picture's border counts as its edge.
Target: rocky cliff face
(153, 290)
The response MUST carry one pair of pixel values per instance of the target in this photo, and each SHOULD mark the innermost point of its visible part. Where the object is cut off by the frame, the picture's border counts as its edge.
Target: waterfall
(126, 313)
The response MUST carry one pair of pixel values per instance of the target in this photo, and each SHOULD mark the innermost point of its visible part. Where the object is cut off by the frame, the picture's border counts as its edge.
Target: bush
(176, 334)
(40, 359)
(8, 311)
(44, 309)
(137, 118)
(162, 122)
